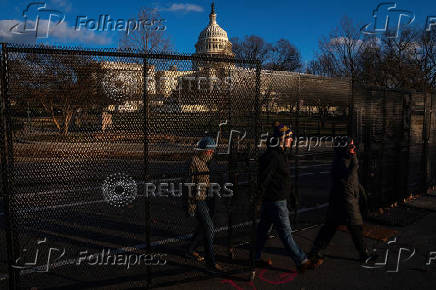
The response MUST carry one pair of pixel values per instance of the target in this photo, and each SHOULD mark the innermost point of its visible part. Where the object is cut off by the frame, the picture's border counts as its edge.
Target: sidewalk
(341, 270)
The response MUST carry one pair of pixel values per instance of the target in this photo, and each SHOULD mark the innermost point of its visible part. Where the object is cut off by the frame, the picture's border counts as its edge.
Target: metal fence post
(350, 129)
(381, 155)
(407, 119)
(145, 140)
(297, 135)
(255, 162)
(232, 168)
(6, 165)
(425, 138)
(433, 138)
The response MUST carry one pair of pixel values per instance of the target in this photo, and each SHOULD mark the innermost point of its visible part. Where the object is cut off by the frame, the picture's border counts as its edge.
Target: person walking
(202, 207)
(274, 189)
(343, 205)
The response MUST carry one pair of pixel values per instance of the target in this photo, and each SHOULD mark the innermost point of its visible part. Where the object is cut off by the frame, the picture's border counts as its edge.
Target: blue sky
(302, 22)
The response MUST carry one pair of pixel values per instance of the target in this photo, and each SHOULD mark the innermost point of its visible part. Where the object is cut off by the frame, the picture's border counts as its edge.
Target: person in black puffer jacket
(273, 191)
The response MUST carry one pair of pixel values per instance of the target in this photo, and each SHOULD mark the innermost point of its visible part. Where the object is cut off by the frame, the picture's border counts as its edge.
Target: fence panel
(92, 130)
(196, 97)
(385, 144)
(76, 180)
(316, 109)
(417, 163)
(432, 148)
(5, 232)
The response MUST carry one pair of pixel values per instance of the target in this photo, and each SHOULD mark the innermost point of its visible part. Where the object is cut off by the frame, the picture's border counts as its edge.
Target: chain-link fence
(396, 143)
(98, 149)
(101, 143)
(316, 109)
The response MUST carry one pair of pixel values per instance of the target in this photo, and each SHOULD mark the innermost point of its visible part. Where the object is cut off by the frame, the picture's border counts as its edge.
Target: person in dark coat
(343, 205)
(273, 193)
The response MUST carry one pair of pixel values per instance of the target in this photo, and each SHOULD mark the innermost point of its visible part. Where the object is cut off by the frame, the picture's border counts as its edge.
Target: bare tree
(371, 65)
(426, 58)
(323, 65)
(251, 47)
(279, 56)
(283, 56)
(407, 61)
(149, 35)
(399, 59)
(59, 84)
(339, 53)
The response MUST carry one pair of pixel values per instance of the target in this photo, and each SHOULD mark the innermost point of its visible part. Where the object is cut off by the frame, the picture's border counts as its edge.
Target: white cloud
(184, 7)
(63, 5)
(7, 36)
(66, 33)
(345, 40)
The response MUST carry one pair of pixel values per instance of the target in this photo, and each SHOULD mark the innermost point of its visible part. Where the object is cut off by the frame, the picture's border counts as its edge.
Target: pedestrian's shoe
(194, 256)
(219, 267)
(316, 260)
(232, 253)
(315, 263)
(215, 269)
(264, 263)
(306, 265)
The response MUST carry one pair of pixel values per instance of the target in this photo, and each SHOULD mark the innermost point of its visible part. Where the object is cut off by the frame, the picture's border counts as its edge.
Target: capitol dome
(213, 39)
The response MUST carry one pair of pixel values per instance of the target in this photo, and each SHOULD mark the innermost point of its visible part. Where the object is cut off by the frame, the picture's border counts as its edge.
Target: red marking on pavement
(234, 285)
(273, 279)
(283, 278)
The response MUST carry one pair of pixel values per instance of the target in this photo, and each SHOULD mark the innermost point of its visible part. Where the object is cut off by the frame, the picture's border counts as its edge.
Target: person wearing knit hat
(274, 188)
(281, 133)
(200, 206)
(206, 143)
